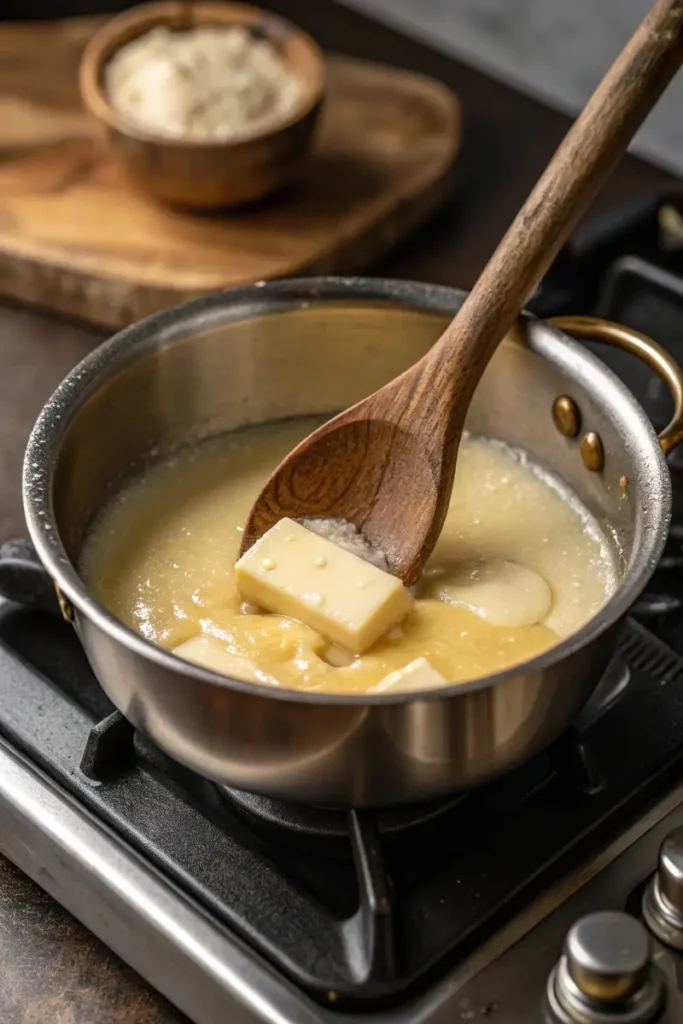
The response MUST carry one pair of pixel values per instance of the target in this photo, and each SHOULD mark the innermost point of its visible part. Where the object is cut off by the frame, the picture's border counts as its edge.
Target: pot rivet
(592, 452)
(623, 482)
(566, 416)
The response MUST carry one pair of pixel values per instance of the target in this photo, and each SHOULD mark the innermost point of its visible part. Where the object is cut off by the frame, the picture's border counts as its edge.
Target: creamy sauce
(519, 565)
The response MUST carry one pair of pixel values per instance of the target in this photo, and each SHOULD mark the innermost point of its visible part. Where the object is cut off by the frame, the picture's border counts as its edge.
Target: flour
(346, 535)
(207, 84)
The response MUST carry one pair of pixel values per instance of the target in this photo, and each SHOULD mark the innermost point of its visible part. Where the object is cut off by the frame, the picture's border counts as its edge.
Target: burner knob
(605, 974)
(663, 898)
(608, 956)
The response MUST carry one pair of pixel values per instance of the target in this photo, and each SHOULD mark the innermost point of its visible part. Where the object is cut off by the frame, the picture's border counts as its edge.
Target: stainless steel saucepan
(302, 347)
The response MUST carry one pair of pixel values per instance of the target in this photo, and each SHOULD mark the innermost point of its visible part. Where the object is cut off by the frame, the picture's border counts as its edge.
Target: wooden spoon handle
(584, 160)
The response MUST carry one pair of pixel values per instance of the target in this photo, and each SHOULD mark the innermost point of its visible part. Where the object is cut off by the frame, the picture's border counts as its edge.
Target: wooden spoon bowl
(199, 174)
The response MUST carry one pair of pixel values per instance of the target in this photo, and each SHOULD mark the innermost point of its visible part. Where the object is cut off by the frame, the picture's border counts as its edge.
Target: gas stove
(553, 894)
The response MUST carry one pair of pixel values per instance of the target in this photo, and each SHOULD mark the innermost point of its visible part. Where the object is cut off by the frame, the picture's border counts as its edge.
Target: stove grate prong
(370, 935)
(109, 749)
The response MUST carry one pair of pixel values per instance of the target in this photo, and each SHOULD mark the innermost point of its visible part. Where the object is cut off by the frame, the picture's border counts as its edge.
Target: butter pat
(295, 572)
(502, 592)
(209, 653)
(418, 675)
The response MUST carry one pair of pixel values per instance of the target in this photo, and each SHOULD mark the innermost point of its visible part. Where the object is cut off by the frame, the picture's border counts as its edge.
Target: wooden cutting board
(77, 239)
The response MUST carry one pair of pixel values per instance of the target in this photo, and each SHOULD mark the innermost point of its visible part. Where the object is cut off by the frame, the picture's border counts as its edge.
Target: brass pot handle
(646, 349)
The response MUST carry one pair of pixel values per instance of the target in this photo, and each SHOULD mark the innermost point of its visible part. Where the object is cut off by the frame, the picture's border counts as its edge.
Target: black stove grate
(325, 829)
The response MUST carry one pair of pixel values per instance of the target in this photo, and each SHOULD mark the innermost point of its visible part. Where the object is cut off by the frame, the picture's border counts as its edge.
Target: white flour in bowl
(210, 83)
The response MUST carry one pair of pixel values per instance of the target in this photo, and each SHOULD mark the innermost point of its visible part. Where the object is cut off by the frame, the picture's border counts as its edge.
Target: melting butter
(502, 592)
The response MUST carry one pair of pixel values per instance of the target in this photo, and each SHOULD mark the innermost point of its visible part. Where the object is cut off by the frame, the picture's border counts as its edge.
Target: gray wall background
(556, 50)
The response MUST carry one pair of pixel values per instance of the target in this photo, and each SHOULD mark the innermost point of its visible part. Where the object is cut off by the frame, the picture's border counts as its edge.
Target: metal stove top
(242, 909)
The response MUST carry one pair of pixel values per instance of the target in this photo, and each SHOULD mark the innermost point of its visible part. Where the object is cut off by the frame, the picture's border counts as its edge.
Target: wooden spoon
(387, 464)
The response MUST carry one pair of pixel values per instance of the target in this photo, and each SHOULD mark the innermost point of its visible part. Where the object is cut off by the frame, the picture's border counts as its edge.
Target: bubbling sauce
(519, 565)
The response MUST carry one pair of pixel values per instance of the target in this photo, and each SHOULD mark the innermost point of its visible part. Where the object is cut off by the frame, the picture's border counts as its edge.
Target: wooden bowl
(206, 174)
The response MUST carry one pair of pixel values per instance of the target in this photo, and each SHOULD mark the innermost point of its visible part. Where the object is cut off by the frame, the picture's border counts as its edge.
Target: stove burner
(569, 758)
(300, 823)
(569, 761)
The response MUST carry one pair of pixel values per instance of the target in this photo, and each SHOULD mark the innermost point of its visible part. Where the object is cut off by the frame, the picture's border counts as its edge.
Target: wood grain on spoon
(387, 464)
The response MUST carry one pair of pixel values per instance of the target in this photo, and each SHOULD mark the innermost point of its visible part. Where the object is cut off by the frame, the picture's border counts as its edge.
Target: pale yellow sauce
(516, 548)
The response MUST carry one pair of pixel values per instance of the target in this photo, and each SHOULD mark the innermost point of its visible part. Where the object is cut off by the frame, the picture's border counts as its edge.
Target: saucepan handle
(629, 340)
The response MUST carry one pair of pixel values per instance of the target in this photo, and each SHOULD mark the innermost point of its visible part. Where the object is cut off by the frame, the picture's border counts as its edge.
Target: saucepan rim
(199, 316)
